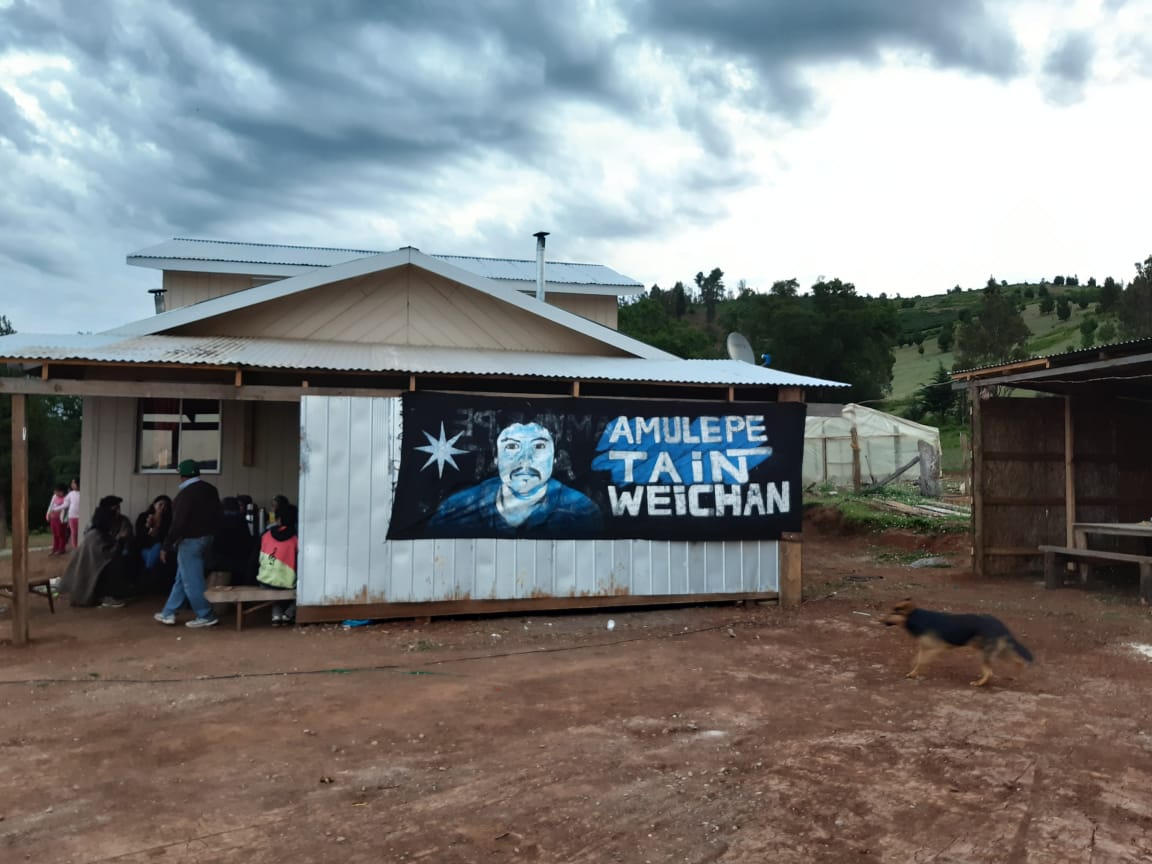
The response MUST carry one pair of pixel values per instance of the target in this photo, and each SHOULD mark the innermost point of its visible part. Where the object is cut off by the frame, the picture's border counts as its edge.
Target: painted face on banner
(524, 456)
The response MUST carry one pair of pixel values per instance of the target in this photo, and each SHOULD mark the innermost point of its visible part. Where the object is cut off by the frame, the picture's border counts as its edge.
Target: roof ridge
(281, 245)
(518, 260)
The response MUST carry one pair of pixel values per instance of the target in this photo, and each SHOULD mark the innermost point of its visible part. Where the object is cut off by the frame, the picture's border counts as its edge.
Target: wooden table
(1081, 554)
(1081, 530)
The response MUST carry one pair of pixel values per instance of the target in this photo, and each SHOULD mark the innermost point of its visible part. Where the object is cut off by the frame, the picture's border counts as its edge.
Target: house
(299, 371)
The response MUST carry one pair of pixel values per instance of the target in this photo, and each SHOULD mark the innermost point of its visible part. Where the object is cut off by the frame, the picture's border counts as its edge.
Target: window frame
(162, 406)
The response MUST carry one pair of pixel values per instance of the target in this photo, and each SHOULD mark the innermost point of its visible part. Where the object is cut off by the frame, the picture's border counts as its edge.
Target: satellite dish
(739, 348)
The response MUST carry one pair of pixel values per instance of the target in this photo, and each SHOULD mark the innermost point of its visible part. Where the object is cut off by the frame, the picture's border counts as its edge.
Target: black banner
(487, 466)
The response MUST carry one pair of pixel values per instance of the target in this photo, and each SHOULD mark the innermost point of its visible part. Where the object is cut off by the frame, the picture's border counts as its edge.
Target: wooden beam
(977, 481)
(790, 394)
(238, 378)
(1021, 456)
(576, 389)
(20, 521)
(188, 390)
(1069, 473)
(1023, 365)
(429, 608)
(1059, 501)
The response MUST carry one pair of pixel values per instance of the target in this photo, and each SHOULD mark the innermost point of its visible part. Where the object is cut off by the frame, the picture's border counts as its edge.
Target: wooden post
(977, 482)
(1069, 475)
(19, 521)
(856, 483)
(791, 570)
(966, 463)
(929, 470)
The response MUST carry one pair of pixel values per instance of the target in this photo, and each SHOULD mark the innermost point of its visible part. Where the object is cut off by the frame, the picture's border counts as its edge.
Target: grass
(863, 512)
(36, 539)
(951, 450)
(1050, 335)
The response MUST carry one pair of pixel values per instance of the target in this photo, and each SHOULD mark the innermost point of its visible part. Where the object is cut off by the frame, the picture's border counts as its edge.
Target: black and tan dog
(936, 632)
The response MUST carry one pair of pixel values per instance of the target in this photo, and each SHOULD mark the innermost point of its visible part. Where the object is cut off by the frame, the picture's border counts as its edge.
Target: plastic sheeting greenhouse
(886, 442)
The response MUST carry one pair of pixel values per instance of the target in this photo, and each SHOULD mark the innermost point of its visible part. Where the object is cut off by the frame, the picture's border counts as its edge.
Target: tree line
(831, 331)
(53, 424)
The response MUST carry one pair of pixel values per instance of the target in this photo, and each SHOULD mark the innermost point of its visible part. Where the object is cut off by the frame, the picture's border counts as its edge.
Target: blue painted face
(524, 456)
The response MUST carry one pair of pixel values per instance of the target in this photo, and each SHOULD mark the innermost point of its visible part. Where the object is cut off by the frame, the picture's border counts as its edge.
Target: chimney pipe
(540, 235)
(158, 298)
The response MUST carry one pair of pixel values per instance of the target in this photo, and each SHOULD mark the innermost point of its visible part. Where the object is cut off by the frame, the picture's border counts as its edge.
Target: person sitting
(100, 567)
(153, 575)
(278, 553)
(232, 544)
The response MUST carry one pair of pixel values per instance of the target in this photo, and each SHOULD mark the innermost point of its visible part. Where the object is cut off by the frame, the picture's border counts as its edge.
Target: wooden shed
(1060, 453)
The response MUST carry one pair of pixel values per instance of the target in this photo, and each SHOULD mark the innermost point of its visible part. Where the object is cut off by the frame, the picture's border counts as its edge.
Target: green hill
(914, 368)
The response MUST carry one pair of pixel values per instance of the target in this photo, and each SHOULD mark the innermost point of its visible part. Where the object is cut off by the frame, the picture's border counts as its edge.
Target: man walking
(195, 514)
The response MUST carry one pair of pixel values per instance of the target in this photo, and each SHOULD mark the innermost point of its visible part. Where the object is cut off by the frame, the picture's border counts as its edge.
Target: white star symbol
(441, 450)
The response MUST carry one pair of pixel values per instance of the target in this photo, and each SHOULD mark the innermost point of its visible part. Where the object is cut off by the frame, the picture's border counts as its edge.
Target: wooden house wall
(183, 288)
(403, 306)
(594, 307)
(109, 441)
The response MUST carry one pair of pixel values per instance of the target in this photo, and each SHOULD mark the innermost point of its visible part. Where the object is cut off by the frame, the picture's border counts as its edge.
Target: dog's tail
(1020, 649)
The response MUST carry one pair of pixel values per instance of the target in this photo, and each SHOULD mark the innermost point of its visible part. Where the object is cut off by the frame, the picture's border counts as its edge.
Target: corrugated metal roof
(308, 257)
(1064, 358)
(554, 271)
(190, 249)
(353, 357)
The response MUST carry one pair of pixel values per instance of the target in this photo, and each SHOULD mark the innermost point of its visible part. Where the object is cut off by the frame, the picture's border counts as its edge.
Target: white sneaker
(203, 622)
(164, 619)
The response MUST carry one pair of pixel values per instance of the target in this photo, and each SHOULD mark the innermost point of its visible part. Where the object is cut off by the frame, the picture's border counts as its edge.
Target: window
(172, 430)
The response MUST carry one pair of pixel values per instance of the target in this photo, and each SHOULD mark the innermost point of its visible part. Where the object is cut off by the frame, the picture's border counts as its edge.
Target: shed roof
(268, 259)
(256, 353)
(1123, 369)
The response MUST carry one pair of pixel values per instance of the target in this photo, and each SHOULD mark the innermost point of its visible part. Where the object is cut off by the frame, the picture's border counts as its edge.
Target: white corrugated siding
(349, 453)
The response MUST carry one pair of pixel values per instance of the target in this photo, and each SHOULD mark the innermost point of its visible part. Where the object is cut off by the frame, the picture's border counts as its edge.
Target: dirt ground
(701, 734)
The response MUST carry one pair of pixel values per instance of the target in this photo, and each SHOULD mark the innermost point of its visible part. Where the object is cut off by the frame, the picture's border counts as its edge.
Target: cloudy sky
(903, 145)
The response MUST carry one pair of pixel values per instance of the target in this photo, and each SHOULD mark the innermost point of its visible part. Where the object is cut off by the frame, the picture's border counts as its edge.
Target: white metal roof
(376, 264)
(267, 259)
(355, 357)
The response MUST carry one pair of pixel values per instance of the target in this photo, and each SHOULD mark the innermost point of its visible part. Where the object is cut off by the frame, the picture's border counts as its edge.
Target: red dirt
(720, 733)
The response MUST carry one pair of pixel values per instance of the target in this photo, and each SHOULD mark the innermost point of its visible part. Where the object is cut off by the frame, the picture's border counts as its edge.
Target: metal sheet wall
(349, 453)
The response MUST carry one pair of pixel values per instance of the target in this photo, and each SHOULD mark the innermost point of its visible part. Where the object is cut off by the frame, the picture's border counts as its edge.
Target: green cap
(189, 468)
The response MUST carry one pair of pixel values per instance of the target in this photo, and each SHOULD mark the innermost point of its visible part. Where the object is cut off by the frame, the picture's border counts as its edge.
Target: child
(73, 498)
(278, 559)
(57, 517)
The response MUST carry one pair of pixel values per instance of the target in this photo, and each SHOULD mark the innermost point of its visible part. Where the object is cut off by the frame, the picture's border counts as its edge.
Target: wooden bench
(34, 581)
(1055, 557)
(254, 594)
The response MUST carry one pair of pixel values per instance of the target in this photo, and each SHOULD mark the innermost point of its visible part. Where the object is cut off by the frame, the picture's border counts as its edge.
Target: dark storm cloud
(222, 119)
(781, 37)
(1071, 59)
